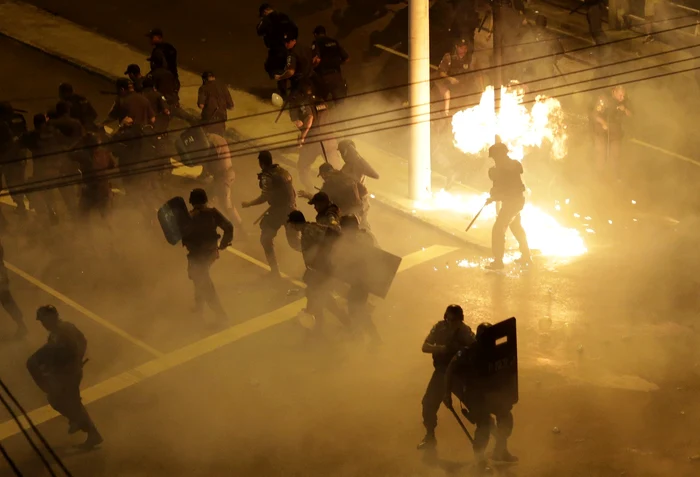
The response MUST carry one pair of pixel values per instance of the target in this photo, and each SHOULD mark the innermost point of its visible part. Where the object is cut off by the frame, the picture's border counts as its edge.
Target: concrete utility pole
(419, 173)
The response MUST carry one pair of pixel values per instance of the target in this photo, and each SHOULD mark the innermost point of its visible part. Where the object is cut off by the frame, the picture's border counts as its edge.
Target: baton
(257, 221)
(323, 149)
(477, 215)
(461, 424)
(284, 105)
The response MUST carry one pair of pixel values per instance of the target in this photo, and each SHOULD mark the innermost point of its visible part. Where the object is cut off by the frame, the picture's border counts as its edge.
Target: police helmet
(498, 150)
(265, 158)
(454, 312)
(198, 197)
(482, 328)
(296, 217)
(47, 312)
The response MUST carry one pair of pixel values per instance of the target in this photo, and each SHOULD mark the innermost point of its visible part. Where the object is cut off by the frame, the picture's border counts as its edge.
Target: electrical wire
(402, 108)
(403, 85)
(285, 144)
(10, 462)
(27, 436)
(41, 437)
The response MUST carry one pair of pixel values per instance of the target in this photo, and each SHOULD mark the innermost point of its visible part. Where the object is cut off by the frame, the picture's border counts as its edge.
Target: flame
(544, 233)
(475, 128)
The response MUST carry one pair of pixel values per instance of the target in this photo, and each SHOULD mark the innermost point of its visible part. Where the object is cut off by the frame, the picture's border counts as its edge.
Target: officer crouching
(445, 339)
(201, 240)
(465, 378)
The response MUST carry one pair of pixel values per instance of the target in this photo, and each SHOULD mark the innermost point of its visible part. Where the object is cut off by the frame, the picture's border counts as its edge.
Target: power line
(357, 118)
(281, 145)
(27, 436)
(388, 88)
(35, 429)
(10, 462)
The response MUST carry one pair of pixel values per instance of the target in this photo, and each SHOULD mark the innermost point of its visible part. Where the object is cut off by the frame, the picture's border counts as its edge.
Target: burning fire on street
(521, 129)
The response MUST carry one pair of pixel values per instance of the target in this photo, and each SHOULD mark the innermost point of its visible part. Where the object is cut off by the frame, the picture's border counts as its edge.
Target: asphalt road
(608, 350)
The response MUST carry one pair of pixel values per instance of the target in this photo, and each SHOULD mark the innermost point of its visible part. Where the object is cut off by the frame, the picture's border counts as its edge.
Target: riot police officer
(57, 368)
(455, 76)
(214, 99)
(278, 191)
(201, 239)
(444, 340)
(133, 72)
(7, 300)
(329, 55)
(308, 114)
(80, 107)
(273, 27)
(508, 189)
(348, 194)
(164, 52)
(481, 401)
(130, 104)
(12, 158)
(327, 213)
(299, 66)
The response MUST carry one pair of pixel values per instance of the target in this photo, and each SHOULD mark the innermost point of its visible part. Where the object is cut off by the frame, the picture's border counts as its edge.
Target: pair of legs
(9, 304)
(509, 217)
(319, 298)
(434, 394)
(65, 399)
(272, 221)
(607, 156)
(360, 315)
(204, 291)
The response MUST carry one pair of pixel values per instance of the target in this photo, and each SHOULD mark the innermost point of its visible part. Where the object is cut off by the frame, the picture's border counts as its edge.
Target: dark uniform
(57, 368)
(201, 240)
(278, 191)
(166, 83)
(215, 100)
(159, 105)
(72, 132)
(332, 55)
(12, 157)
(349, 194)
(7, 300)
(304, 111)
(300, 59)
(82, 109)
(329, 216)
(135, 106)
(453, 337)
(273, 27)
(610, 111)
(508, 189)
(458, 68)
(95, 162)
(166, 53)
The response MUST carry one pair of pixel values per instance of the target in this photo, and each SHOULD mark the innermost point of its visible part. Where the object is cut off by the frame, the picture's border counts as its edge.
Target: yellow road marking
(198, 349)
(81, 309)
(260, 264)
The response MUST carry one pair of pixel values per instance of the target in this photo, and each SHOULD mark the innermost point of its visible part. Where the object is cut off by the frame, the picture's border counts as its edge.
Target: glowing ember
(475, 128)
(544, 233)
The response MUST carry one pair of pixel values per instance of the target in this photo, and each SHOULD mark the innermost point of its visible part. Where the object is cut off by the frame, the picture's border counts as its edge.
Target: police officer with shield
(465, 377)
(446, 338)
(278, 191)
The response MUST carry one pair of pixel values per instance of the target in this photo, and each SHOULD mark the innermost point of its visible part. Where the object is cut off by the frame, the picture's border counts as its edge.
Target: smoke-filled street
(605, 295)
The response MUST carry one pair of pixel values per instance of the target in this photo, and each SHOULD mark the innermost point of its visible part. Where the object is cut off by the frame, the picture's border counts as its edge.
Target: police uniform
(278, 191)
(306, 110)
(12, 164)
(6, 299)
(454, 340)
(223, 176)
(81, 109)
(57, 368)
(216, 99)
(160, 107)
(273, 27)
(508, 189)
(300, 59)
(348, 194)
(329, 216)
(96, 191)
(608, 143)
(201, 240)
(135, 106)
(166, 83)
(455, 67)
(167, 53)
(330, 78)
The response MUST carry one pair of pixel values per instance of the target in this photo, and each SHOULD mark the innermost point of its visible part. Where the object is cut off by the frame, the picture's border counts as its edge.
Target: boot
(94, 439)
(502, 455)
(495, 265)
(428, 442)
(73, 427)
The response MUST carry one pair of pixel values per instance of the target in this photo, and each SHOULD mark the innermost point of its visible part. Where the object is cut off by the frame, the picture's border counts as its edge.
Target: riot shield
(497, 363)
(173, 217)
(193, 147)
(365, 265)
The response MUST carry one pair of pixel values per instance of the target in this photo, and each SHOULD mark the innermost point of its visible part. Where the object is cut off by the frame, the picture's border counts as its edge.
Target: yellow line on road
(260, 264)
(199, 348)
(81, 309)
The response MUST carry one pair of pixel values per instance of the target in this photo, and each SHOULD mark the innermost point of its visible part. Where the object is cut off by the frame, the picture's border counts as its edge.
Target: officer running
(308, 115)
(80, 107)
(278, 191)
(481, 402)
(214, 99)
(8, 301)
(273, 26)
(329, 56)
(508, 189)
(299, 66)
(327, 213)
(202, 242)
(57, 368)
(348, 194)
(445, 339)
